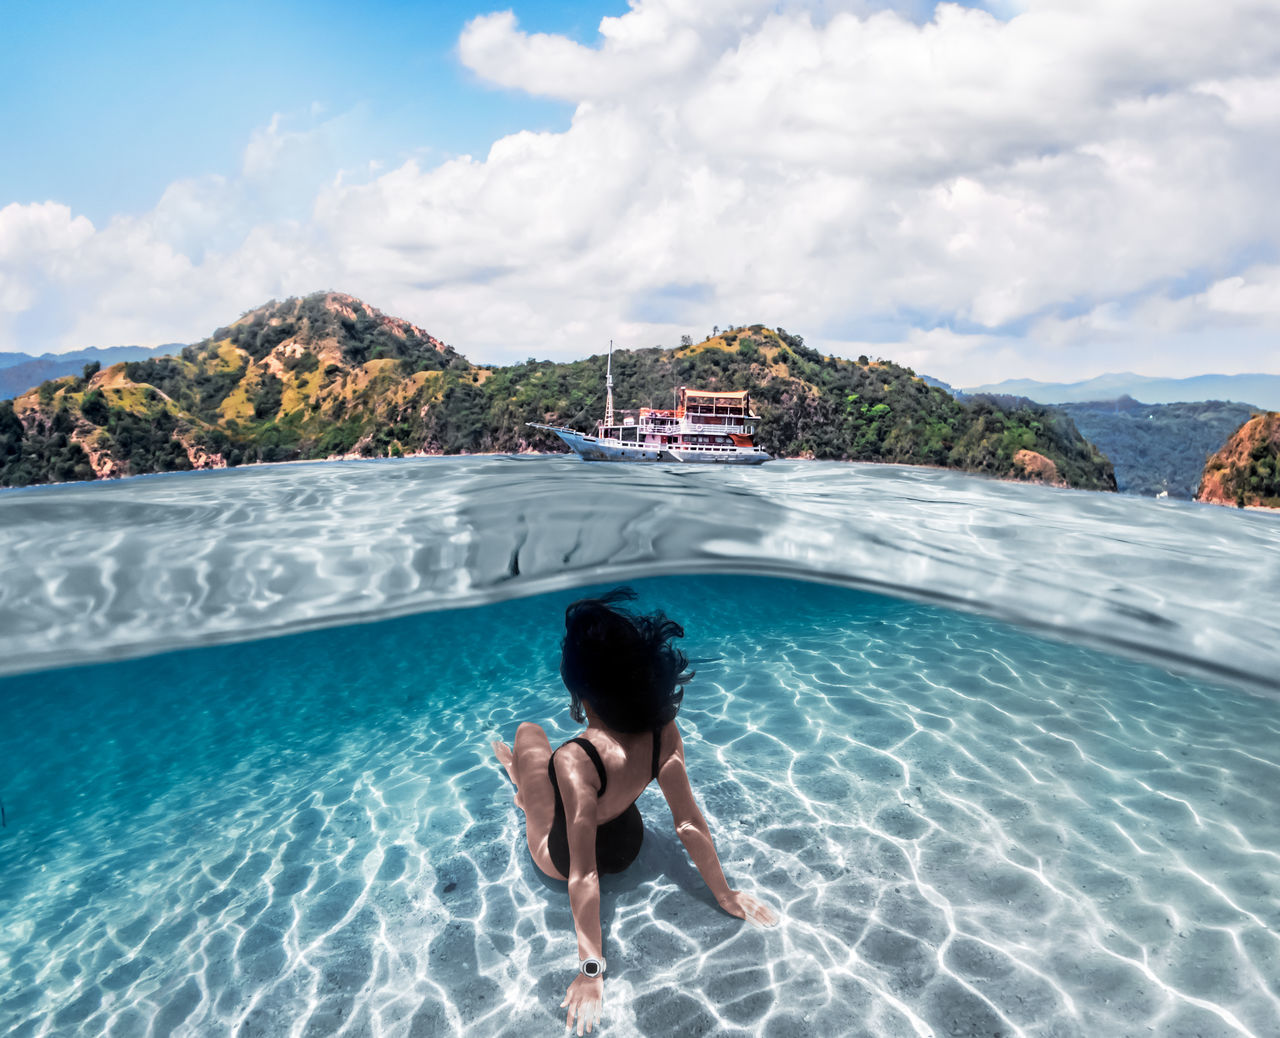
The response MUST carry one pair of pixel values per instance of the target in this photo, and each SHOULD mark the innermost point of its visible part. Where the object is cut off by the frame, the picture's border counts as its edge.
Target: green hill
(329, 376)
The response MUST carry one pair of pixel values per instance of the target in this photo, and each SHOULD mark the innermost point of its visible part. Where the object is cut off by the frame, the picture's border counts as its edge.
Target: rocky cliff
(1246, 472)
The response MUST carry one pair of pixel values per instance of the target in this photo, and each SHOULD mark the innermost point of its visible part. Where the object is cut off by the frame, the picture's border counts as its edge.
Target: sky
(1048, 189)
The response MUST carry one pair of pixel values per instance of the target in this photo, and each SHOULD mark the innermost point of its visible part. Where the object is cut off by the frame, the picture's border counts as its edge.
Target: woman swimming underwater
(625, 682)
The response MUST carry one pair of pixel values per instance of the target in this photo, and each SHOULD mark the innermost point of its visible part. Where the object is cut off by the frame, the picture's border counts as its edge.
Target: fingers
(588, 1010)
(588, 1014)
(758, 911)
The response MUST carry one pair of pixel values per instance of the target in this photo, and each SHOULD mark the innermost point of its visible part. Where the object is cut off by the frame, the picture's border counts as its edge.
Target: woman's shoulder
(602, 737)
(636, 744)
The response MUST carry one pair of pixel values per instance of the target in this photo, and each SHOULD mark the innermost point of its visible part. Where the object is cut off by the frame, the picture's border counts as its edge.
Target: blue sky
(1028, 188)
(115, 101)
(119, 100)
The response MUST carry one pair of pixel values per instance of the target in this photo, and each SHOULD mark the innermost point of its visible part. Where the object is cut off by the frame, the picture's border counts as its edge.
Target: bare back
(628, 760)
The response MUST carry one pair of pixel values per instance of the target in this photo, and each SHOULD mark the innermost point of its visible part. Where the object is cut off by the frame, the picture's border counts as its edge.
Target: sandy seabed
(967, 831)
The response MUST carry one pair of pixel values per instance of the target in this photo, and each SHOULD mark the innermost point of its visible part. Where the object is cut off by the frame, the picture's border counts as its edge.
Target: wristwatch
(591, 967)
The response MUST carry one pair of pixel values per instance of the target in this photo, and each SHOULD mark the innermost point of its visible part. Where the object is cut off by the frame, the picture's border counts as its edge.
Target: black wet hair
(622, 663)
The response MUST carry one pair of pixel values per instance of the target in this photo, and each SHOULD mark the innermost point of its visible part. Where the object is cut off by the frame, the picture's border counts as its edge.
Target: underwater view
(1002, 757)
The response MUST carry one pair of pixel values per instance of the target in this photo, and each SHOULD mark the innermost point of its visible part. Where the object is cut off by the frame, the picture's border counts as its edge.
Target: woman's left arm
(586, 994)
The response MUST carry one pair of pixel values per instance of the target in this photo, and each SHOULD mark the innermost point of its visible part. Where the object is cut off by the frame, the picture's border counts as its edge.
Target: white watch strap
(592, 967)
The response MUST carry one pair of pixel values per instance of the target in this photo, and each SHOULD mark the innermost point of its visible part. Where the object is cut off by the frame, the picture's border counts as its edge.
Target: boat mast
(608, 389)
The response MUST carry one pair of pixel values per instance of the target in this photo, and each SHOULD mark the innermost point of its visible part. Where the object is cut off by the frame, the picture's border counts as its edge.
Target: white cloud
(655, 47)
(978, 196)
(1250, 101)
(1253, 294)
(40, 233)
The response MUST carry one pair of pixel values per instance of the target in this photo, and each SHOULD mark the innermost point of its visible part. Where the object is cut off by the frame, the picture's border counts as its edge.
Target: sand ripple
(968, 830)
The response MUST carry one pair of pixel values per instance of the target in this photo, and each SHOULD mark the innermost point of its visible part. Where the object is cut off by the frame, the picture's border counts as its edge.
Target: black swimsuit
(617, 840)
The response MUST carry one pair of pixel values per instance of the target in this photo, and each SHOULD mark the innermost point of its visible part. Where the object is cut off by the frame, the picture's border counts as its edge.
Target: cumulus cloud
(210, 248)
(979, 194)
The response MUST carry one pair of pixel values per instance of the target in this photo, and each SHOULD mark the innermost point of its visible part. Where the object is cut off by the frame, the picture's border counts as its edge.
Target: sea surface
(1002, 756)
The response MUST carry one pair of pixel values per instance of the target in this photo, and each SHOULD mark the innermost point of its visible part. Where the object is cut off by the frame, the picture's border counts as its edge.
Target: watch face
(591, 967)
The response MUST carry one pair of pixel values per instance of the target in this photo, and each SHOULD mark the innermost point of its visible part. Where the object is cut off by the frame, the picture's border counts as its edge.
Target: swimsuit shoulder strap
(657, 740)
(594, 754)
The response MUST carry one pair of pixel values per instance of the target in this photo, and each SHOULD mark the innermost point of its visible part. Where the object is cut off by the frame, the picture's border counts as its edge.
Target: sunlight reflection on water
(107, 570)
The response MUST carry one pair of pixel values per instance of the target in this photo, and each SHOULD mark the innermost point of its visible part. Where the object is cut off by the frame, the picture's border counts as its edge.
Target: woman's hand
(586, 997)
(744, 906)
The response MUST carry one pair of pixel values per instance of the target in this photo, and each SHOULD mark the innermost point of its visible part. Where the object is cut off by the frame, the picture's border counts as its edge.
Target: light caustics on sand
(968, 829)
(102, 571)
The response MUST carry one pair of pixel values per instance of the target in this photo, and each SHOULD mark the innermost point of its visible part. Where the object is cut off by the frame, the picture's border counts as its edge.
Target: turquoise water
(968, 827)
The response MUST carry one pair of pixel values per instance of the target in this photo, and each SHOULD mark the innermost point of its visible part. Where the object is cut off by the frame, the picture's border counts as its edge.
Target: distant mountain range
(1155, 447)
(20, 371)
(1158, 448)
(1261, 391)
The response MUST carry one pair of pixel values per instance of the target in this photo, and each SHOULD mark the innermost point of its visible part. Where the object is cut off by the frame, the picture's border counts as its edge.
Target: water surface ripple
(107, 570)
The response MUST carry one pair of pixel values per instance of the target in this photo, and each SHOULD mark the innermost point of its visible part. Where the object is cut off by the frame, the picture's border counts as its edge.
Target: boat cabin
(701, 418)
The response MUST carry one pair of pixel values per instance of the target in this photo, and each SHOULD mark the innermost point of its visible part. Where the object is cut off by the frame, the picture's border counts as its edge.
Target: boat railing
(713, 448)
(694, 414)
(716, 427)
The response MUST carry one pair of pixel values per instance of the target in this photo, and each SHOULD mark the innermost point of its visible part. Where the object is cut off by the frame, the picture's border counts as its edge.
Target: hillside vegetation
(1158, 447)
(329, 376)
(1246, 472)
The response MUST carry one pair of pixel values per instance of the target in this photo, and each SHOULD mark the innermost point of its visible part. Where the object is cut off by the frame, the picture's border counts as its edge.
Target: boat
(703, 427)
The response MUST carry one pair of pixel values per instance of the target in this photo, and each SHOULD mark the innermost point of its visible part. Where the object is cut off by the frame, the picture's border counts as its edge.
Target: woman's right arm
(692, 829)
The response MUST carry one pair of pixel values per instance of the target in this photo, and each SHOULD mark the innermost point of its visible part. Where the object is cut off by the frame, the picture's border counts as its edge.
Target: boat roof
(736, 394)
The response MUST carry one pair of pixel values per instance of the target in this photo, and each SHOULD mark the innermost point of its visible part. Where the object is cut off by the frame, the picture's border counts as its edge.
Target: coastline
(351, 456)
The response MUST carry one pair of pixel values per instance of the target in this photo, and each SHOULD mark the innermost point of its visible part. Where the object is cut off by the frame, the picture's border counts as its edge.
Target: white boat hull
(593, 448)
